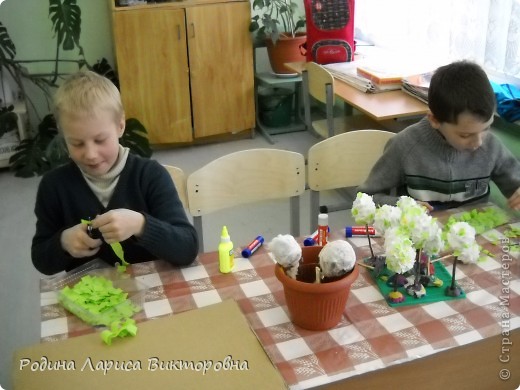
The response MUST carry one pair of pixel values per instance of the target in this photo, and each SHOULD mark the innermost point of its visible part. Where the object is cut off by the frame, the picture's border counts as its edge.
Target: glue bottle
(226, 257)
(323, 227)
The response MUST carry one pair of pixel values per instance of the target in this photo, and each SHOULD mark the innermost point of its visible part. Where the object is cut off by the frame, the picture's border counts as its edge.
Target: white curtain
(485, 31)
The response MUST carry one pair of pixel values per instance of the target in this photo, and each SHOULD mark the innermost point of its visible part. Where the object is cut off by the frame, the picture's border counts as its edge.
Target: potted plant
(316, 280)
(46, 148)
(280, 27)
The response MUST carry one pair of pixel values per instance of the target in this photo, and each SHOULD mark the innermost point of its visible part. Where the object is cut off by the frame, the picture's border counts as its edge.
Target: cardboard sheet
(192, 347)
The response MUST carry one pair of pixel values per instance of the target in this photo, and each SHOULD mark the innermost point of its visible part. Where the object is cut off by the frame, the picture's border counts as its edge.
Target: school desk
(383, 106)
(465, 343)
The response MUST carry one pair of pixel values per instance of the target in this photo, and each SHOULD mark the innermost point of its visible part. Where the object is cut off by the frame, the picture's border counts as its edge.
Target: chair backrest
(318, 83)
(344, 160)
(179, 179)
(244, 177)
(319, 77)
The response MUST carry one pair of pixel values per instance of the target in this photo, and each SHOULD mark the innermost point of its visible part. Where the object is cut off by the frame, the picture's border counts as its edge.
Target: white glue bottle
(323, 226)
(226, 256)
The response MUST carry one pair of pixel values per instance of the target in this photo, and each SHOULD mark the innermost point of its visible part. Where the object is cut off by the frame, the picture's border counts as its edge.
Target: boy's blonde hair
(87, 93)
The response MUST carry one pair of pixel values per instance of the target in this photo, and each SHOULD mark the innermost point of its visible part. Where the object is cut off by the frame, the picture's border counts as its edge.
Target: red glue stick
(323, 229)
(313, 238)
(352, 231)
(252, 247)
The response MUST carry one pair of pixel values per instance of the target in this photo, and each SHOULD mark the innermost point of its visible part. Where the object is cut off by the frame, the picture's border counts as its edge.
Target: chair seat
(346, 123)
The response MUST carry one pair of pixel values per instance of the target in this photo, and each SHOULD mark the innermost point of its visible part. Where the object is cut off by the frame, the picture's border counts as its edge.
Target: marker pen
(252, 247)
(313, 238)
(353, 231)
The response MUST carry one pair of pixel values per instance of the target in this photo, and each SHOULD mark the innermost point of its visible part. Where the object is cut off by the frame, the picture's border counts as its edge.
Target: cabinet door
(221, 68)
(153, 71)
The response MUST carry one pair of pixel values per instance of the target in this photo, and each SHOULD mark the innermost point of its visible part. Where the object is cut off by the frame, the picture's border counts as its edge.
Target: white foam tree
(363, 211)
(461, 238)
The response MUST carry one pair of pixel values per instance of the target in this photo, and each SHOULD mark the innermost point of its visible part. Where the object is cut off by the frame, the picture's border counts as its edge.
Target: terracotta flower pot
(286, 49)
(315, 306)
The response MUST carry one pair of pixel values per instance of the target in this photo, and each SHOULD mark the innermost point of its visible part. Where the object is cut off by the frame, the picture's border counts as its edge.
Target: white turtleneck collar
(103, 186)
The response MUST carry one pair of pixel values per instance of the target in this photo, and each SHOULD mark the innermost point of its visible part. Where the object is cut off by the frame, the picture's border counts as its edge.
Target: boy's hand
(428, 206)
(514, 200)
(120, 224)
(77, 242)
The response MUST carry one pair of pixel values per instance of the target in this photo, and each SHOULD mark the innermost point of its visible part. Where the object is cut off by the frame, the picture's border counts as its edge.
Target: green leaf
(104, 69)
(7, 48)
(135, 137)
(66, 22)
(8, 120)
(29, 159)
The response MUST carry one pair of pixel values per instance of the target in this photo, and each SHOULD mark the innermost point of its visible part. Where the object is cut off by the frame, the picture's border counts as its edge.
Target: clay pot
(315, 306)
(286, 49)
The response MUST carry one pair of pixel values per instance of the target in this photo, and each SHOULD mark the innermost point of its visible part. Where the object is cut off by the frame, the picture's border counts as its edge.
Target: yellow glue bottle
(226, 256)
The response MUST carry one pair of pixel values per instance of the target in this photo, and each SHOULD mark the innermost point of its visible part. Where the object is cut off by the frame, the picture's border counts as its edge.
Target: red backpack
(330, 30)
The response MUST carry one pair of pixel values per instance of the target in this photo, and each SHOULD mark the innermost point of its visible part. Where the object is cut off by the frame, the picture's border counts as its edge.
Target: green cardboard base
(433, 294)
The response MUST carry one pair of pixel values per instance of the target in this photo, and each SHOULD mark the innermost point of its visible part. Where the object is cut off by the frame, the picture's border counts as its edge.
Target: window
(485, 31)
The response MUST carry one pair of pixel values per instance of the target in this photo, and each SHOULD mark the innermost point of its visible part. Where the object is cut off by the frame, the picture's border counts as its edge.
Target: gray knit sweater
(418, 162)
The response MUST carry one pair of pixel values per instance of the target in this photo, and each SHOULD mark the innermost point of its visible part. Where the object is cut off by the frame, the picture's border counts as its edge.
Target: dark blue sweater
(64, 198)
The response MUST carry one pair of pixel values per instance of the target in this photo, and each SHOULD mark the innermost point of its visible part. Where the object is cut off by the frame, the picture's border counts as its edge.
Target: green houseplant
(46, 149)
(278, 24)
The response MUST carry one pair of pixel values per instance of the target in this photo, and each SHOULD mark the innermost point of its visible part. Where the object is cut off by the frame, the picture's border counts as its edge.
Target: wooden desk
(466, 337)
(379, 106)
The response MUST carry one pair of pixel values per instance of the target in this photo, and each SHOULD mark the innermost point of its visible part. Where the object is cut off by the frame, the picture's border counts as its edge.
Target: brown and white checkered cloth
(371, 334)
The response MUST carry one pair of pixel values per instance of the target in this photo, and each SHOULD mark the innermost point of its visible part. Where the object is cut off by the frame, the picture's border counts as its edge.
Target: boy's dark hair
(458, 87)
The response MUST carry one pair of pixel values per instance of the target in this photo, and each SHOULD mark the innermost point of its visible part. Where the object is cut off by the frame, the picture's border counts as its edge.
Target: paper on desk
(196, 339)
(346, 71)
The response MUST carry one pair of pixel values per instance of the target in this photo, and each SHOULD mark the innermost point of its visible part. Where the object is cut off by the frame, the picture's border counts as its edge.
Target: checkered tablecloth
(371, 334)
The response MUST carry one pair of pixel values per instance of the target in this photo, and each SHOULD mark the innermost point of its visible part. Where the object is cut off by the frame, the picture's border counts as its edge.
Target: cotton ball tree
(461, 238)
(386, 217)
(363, 211)
(286, 252)
(400, 258)
(337, 258)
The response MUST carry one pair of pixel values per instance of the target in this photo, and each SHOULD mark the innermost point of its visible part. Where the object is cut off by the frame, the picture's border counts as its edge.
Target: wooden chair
(245, 177)
(318, 83)
(344, 160)
(179, 179)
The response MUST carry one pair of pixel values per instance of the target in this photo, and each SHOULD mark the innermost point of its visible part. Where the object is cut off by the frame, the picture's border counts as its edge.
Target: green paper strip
(119, 329)
(117, 248)
(481, 221)
(96, 301)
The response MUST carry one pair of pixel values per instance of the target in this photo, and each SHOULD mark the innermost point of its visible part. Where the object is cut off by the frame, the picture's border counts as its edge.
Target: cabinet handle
(192, 30)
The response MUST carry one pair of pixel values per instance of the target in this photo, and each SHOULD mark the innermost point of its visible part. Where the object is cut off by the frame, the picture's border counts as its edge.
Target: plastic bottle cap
(224, 236)
(323, 219)
(309, 241)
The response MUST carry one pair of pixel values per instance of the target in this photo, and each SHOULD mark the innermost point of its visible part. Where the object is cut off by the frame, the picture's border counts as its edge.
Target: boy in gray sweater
(449, 157)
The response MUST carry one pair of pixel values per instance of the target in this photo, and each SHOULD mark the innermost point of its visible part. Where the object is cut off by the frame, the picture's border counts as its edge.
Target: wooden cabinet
(186, 69)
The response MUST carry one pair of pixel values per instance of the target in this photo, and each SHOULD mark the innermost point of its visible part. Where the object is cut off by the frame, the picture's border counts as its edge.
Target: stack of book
(346, 71)
(382, 79)
(366, 77)
(417, 85)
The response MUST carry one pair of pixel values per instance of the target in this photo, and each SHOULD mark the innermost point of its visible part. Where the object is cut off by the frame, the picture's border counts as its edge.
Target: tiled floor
(19, 288)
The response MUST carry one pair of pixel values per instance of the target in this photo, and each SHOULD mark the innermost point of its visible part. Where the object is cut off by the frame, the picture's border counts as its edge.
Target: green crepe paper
(513, 232)
(95, 300)
(118, 250)
(481, 221)
(119, 329)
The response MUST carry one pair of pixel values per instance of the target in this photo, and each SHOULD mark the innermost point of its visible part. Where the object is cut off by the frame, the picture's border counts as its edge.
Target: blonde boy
(129, 199)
